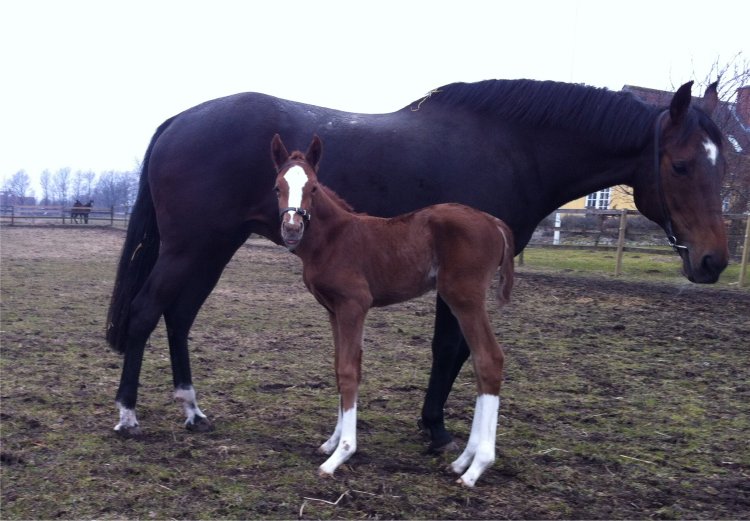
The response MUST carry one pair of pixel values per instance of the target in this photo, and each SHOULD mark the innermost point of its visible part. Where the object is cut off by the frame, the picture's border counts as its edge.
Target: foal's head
(296, 183)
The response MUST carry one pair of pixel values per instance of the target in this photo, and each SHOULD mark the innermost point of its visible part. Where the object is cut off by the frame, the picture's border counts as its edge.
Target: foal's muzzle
(292, 230)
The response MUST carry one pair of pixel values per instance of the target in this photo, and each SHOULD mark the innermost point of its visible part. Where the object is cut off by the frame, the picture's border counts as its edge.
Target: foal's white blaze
(189, 404)
(347, 442)
(712, 151)
(480, 449)
(296, 178)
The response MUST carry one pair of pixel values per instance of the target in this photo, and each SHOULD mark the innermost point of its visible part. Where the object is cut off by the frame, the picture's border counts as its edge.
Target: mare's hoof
(438, 448)
(200, 424)
(440, 441)
(129, 432)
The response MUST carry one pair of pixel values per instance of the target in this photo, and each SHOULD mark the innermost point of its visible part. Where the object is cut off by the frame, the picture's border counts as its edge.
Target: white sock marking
(189, 404)
(347, 443)
(127, 418)
(480, 449)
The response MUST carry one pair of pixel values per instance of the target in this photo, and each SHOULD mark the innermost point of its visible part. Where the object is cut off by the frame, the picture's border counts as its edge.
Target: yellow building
(614, 198)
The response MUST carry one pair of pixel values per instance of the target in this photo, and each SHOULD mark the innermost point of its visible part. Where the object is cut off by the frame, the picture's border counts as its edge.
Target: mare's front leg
(347, 323)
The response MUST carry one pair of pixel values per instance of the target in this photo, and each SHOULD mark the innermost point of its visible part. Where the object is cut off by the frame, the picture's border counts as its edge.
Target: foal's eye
(277, 191)
(680, 168)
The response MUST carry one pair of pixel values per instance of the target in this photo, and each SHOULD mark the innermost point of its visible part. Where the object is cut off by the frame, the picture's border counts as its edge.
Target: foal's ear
(680, 103)
(279, 153)
(711, 98)
(314, 151)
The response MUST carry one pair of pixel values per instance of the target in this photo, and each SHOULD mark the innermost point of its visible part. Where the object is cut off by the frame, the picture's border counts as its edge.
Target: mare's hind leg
(449, 352)
(205, 259)
(179, 319)
(145, 311)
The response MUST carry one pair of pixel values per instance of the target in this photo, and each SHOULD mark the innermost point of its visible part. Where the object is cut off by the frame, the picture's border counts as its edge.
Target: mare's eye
(314, 189)
(679, 168)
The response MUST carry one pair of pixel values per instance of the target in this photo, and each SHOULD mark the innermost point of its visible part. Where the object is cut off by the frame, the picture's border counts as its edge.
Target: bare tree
(45, 180)
(61, 184)
(19, 185)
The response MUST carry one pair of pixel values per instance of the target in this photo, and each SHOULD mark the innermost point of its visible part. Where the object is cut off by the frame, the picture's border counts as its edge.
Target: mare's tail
(505, 284)
(138, 256)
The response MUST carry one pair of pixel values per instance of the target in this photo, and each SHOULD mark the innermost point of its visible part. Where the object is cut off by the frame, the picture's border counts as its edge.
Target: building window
(599, 200)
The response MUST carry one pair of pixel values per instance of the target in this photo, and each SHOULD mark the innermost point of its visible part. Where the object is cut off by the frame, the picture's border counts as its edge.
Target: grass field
(623, 398)
(635, 266)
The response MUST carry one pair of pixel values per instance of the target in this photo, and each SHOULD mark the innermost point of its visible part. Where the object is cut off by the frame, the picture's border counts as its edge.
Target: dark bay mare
(528, 146)
(354, 262)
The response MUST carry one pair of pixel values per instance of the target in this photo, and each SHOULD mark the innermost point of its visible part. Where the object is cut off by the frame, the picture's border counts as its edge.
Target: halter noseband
(299, 211)
(671, 237)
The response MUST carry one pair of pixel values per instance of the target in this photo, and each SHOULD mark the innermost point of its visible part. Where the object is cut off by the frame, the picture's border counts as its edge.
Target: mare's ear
(680, 103)
(711, 98)
(279, 153)
(314, 151)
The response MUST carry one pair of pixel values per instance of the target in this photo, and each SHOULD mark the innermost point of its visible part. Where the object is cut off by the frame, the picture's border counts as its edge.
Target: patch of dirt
(622, 399)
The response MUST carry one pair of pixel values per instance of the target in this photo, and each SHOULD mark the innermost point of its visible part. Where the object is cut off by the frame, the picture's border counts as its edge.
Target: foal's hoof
(325, 475)
(199, 424)
(128, 432)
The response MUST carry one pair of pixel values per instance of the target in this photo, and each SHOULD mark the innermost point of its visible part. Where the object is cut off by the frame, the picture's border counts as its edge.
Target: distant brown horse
(353, 262)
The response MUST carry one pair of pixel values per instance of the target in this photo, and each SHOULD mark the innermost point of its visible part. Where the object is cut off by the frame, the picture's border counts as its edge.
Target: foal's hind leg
(487, 358)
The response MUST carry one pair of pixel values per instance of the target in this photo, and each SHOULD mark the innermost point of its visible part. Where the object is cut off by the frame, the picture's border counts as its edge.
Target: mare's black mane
(618, 120)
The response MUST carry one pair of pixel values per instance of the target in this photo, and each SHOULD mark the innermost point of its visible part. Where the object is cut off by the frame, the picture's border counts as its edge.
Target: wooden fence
(627, 231)
(618, 230)
(34, 215)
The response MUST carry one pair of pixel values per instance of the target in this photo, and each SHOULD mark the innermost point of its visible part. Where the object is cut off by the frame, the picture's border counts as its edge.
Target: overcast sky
(85, 83)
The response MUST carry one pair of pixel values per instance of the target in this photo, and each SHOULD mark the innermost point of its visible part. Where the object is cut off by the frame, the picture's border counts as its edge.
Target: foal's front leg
(347, 334)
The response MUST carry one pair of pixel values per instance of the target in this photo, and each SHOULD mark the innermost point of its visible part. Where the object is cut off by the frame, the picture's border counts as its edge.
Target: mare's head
(681, 192)
(296, 183)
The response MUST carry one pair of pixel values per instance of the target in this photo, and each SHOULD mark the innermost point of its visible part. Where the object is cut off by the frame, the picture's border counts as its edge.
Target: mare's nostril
(711, 264)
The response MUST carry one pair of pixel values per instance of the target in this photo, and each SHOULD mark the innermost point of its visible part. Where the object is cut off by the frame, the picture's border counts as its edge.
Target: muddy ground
(622, 399)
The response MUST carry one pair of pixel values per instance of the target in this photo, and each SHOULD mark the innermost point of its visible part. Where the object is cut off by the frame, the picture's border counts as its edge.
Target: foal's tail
(138, 256)
(505, 284)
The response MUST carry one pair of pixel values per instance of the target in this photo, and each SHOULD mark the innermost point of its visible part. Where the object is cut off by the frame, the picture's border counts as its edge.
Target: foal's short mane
(618, 120)
(299, 157)
(336, 198)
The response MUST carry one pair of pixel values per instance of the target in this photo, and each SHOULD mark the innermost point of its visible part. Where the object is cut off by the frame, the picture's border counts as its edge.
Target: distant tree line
(63, 187)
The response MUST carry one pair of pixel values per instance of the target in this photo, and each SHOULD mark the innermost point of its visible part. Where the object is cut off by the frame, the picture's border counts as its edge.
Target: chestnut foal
(352, 262)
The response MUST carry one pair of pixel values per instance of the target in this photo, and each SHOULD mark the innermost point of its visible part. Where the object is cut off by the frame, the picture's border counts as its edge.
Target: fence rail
(628, 231)
(99, 216)
(618, 230)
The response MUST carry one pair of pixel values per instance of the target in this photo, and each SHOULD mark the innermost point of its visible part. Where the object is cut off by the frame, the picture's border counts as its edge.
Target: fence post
(62, 209)
(12, 215)
(621, 241)
(558, 225)
(112, 215)
(745, 252)
(520, 258)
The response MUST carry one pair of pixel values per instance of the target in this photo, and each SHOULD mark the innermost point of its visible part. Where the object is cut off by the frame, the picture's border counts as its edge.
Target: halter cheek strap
(671, 237)
(299, 211)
